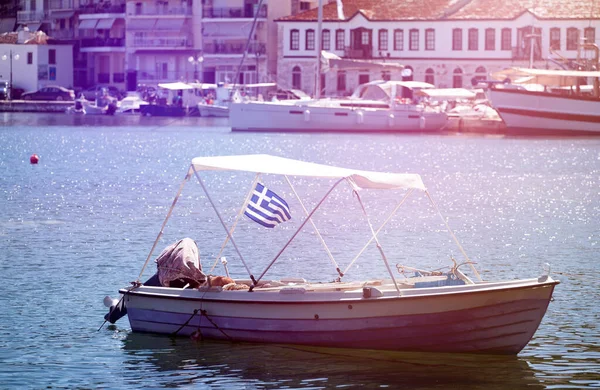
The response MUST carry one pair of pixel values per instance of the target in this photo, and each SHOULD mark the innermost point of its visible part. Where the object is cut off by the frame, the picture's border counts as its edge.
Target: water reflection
(181, 362)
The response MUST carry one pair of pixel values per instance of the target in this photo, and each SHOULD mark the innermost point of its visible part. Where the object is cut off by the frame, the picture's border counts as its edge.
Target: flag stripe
(266, 207)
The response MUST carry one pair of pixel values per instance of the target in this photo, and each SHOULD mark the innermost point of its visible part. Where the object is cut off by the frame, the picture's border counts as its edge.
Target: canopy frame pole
(337, 268)
(387, 265)
(453, 236)
(222, 222)
(378, 230)
(237, 218)
(162, 228)
(296, 233)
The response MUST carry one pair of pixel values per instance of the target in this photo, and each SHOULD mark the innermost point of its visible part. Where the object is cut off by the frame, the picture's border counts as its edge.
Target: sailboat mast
(319, 48)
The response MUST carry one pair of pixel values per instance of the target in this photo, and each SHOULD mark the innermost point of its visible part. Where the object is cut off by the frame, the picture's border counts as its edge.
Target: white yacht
(377, 106)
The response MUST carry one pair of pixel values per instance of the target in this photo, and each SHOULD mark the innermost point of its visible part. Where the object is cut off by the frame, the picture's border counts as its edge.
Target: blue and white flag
(266, 207)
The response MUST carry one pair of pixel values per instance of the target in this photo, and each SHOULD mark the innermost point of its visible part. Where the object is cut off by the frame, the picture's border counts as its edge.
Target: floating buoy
(34, 159)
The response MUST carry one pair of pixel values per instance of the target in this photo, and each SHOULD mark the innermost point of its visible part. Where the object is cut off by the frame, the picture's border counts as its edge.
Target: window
(555, 38)
(383, 39)
(294, 40)
(29, 58)
(339, 40)
(457, 78)
(430, 76)
(572, 38)
(430, 39)
(413, 43)
(480, 74)
(505, 43)
(326, 40)
(341, 81)
(363, 78)
(386, 75)
(473, 39)
(490, 39)
(297, 77)
(457, 39)
(310, 40)
(52, 56)
(398, 39)
(590, 34)
(323, 83)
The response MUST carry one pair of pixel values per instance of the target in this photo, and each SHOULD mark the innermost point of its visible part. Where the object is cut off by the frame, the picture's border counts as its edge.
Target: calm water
(79, 225)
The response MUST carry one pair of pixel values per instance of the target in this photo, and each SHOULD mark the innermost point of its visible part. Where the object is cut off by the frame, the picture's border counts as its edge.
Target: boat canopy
(543, 76)
(267, 164)
(330, 61)
(447, 93)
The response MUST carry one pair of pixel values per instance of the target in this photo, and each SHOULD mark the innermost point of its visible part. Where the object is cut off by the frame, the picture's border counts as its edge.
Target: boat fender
(360, 117)
(116, 310)
(34, 159)
(372, 292)
(391, 120)
(306, 115)
(422, 122)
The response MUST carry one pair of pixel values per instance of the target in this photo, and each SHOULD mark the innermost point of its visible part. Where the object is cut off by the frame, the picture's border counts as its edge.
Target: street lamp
(10, 57)
(195, 61)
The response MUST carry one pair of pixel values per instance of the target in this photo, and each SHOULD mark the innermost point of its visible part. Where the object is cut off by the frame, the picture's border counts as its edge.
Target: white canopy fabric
(88, 24)
(105, 24)
(330, 60)
(263, 163)
(543, 76)
(175, 86)
(448, 93)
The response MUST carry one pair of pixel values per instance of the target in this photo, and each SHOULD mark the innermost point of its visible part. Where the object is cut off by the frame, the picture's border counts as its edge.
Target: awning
(330, 60)
(175, 86)
(62, 14)
(263, 163)
(88, 24)
(169, 24)
(105, 24)
(141, 24)
(33, 27)
(7, 25)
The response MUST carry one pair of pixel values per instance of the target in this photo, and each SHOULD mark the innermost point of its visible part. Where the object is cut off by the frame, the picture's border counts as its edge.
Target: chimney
(23, 35)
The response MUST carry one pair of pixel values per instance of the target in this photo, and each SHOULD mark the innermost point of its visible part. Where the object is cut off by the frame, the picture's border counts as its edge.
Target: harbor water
(79, 225)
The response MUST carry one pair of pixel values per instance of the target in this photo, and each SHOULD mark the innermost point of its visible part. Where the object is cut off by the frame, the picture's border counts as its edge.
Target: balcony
(67, 33)
(31, 16)
(102, 8)
(170, 43)
(162, 11)
(234, 48)
(148, 76)
(103, 42)
(233, 13)
(360, 52)
(60, 4)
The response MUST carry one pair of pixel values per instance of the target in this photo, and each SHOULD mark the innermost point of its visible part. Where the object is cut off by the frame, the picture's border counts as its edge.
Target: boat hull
(540, 113)
(208, 110)
(489, 318)
(293, 116)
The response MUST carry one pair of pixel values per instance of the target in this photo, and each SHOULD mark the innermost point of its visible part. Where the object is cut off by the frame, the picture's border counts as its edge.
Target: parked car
(51, 92)
(96, 91)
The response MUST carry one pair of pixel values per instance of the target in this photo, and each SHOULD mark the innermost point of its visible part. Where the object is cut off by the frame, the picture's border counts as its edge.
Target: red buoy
(34, 159)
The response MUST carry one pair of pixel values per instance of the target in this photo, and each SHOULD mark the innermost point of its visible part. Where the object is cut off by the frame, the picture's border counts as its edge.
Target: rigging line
(387, 265)
(160, 233)
(297, 231)
(222, 222)
(337, 268)
(239, 69)
(237, 218)
(453, 236)
(378, 230)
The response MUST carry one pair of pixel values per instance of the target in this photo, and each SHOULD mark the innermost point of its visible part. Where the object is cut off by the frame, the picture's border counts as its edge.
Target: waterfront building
(30, 62)
(447, 43)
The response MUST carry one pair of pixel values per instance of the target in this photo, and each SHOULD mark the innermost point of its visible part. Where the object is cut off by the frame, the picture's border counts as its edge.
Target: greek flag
(266, 207)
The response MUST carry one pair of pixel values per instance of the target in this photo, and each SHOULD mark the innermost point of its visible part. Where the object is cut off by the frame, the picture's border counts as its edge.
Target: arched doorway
(457, 78)
(297, 77)
(408, 73)
(480, 74)
(430, 76)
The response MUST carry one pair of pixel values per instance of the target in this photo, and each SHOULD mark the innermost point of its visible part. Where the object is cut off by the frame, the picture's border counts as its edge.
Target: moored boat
(551, 110)
(425, 311)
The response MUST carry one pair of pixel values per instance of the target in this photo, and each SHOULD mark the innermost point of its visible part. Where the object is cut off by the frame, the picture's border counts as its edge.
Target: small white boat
(424, 311)
(82, 106)
(378, 106)
(550, 111)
